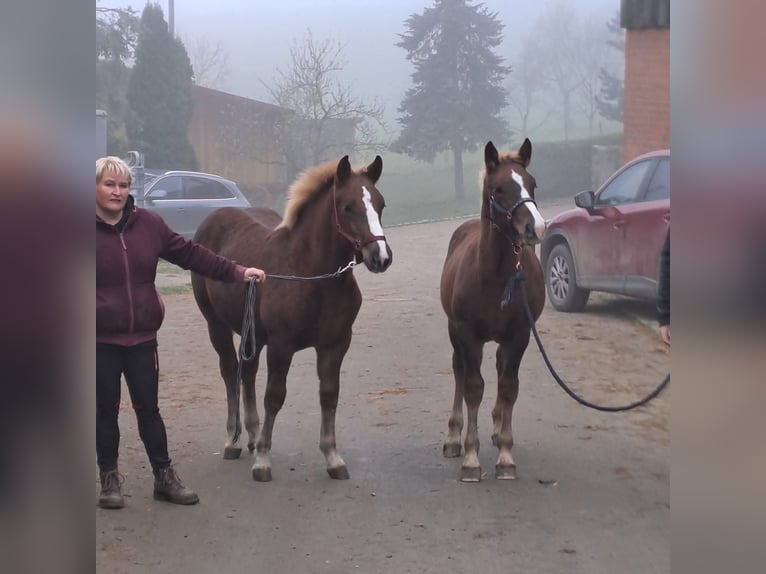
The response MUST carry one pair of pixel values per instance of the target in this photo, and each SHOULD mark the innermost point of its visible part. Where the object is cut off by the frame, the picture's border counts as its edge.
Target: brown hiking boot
(110, 496)
(167, 486)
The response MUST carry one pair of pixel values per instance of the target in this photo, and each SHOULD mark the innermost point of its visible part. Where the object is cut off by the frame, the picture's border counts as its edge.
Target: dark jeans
(141, 369)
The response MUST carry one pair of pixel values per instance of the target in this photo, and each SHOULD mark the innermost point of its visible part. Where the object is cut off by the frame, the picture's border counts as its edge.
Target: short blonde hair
(113, 164)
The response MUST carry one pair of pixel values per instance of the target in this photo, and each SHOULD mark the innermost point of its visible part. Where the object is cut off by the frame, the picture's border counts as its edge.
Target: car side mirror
(585, 200)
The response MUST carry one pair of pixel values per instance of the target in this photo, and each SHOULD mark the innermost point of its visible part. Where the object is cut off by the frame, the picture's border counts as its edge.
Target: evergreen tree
(611, 98)
(115, 44)
(160, 95)
(458, 95)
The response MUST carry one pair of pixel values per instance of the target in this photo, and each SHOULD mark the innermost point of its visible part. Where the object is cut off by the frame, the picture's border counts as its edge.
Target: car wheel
(561, 281)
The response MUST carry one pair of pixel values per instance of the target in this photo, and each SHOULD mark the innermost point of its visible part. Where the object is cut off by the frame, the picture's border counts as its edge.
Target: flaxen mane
(308, 184)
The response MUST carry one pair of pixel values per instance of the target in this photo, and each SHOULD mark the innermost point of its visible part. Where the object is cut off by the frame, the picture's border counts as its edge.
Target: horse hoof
(338, 473)
(451, 450)
(251, 447)
(470, 474)
(505, 472)
(232, 452)
(262, 474)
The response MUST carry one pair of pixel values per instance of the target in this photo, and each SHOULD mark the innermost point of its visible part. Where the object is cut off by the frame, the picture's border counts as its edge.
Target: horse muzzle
(377, 256)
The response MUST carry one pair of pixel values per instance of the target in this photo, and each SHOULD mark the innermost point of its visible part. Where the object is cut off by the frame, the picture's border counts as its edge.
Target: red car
(612, 241)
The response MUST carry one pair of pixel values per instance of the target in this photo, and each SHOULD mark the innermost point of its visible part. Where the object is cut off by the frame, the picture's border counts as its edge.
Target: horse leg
(451, 448)
(509, 354)
(497, 410)
(471, 351)
(278, 359)
(221, 338)
(252, 421)
(329, 360)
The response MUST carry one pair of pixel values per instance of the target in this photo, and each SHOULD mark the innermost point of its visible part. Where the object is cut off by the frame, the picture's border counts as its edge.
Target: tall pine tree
(160, 95)
(457, 96)
(611, 99)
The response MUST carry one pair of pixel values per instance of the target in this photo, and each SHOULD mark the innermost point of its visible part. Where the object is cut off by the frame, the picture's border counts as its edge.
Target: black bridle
(495, 206)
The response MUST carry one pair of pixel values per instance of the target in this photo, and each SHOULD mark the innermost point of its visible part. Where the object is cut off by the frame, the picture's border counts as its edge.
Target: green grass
(174, 289)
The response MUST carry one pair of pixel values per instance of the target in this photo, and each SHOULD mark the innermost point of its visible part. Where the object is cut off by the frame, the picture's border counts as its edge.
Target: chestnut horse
(332, 217)
(481, 304)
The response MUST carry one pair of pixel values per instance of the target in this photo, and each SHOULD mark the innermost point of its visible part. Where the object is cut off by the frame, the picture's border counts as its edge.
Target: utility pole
(171, 18)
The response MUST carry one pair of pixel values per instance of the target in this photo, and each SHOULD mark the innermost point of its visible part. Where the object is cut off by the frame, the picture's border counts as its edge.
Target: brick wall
(647, 91)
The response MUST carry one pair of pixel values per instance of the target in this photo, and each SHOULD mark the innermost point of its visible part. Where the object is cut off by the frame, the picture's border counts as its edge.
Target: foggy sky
(258, 35)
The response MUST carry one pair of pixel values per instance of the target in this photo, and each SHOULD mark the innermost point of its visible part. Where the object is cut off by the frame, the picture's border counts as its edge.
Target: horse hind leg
(452, 447)
(222, 340)
(329, 361)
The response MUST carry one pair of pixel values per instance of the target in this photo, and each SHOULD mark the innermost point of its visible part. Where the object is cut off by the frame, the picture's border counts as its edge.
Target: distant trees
(328, 119)
(457, 96)
(116, 33)
(159, 94)
(611, 97)
(209, 60)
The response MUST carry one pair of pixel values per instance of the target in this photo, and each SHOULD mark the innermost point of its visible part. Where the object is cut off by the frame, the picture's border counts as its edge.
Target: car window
(659, 185)
(166, 188)
(625, 187)
(203, 188)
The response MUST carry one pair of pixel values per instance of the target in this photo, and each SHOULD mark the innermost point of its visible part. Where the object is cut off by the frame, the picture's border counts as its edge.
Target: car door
(164, 196)
(646, 225)
(203, 195)
(600, 242)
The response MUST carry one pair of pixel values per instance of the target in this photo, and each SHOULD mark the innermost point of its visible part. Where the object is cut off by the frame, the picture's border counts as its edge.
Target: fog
(258, 35)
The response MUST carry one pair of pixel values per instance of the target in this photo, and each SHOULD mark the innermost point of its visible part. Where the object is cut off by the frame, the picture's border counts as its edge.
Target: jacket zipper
(127, 278)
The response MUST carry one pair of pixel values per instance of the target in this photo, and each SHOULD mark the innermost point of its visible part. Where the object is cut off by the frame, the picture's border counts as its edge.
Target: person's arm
(190, 255)
(663, 291)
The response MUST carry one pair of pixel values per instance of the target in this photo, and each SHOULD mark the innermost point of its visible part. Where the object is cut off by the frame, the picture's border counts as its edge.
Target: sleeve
(190, 255)
(663, 285)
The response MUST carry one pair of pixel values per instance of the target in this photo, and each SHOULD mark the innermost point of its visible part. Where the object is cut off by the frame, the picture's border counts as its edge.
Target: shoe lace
(170, 476)
(113, 480)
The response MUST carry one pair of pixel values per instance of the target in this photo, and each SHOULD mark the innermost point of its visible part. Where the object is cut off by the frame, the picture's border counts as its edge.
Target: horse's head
(358, 207)
(509, 193)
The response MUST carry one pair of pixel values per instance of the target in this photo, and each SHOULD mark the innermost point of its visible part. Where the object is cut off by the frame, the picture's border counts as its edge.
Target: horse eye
(348, 208)
(499, 190)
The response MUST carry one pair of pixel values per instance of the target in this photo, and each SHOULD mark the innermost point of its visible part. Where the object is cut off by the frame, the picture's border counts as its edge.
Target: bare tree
(527, 86)
(329, 120)
(561, 53)
(210, 62)
(592, 57)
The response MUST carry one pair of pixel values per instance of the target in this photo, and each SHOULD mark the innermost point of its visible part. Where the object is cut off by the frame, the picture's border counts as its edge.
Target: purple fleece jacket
(129, 309)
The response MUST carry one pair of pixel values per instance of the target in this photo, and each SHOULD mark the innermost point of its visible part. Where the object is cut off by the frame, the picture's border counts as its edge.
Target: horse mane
(505, 157)
(304, 188)
(308, 185)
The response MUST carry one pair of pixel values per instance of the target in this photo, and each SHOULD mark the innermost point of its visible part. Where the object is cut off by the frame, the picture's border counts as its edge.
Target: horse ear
(374, 170)
(525, 152)
(491, 157)
(344, 170)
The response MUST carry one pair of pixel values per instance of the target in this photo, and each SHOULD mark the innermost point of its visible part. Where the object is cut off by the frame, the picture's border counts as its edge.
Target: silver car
(184, 198)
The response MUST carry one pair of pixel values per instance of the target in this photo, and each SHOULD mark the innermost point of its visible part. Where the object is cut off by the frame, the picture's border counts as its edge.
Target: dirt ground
(592, 494)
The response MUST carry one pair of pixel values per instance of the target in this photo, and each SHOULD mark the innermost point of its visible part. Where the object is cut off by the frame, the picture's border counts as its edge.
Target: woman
(129, 311)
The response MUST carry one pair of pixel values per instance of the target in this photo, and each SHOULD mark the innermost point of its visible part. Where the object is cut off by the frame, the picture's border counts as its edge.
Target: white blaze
(374, 222)
(539, 221)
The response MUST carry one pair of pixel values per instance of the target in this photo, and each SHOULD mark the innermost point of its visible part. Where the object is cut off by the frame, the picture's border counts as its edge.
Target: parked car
(185, 198)
(611, 241)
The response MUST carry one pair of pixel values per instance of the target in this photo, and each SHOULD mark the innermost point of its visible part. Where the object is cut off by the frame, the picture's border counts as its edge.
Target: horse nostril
(530, 230)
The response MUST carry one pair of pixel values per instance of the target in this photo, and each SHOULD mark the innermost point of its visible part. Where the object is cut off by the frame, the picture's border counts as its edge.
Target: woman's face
(112, 192)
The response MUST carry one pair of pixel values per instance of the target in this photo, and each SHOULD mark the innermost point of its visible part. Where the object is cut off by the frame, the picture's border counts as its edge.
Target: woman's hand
(254, 272)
